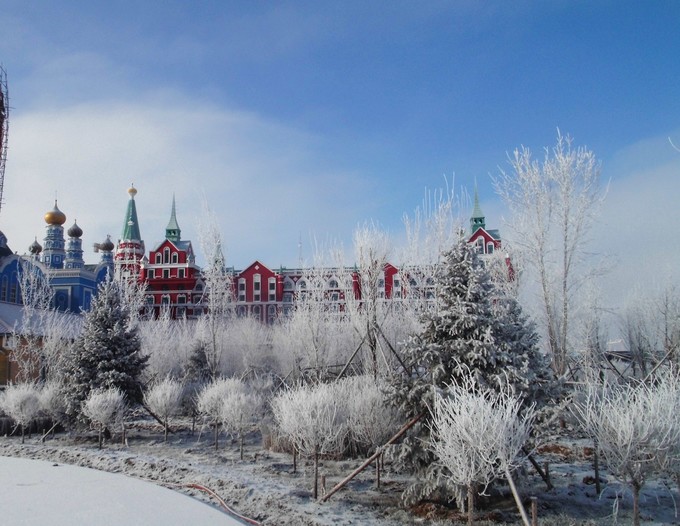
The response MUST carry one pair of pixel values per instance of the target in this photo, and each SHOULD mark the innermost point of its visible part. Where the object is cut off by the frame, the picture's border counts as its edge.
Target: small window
(181, 273)
(489, 248)
(397, 283)
(158, 257)
(174, 257)
(166, 273)
(288, 284)
(152, 273)
(333, 284)
(166, 255)
(181, 298)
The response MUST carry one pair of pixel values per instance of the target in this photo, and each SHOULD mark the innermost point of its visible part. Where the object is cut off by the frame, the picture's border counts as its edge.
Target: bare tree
(217, 297)
(104, 407)
(314, 420)
(553, 205)
(636, 428)
(240, 410)
(478, 434)
(164, 398)
(22, 403)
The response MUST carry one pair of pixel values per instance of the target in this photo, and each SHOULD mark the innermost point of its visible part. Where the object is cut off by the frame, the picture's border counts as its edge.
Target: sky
(296, 121)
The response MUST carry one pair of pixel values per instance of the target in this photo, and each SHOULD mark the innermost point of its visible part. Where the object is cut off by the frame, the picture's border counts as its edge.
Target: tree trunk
(241, 444)
(217, 427)
(471, 503)
(316, 474)
(165, 431)
(101, 432)
(636, 504)
(596, 466)
(23, 433)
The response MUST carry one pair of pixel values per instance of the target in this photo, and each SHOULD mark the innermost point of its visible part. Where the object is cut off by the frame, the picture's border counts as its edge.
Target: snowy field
(40, 492)
(264, 488)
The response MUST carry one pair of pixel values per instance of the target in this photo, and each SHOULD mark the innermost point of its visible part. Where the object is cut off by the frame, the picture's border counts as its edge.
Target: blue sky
(295, 119)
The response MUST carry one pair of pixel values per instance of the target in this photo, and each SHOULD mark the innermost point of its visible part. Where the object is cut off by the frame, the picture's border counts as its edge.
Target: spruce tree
(471, 331)
(107, 353)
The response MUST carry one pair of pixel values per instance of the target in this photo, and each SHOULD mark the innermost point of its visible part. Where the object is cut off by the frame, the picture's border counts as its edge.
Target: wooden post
(534, 511)
(370, 459)
(518, 500)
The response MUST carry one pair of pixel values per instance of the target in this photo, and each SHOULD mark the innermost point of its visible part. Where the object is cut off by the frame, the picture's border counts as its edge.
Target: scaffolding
(4, 127)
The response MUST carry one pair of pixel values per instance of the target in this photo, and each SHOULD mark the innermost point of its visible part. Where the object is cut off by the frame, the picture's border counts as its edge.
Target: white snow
(37, 492)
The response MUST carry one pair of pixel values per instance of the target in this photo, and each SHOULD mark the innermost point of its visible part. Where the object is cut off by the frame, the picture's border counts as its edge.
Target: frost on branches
(474, 332)
(107, 353)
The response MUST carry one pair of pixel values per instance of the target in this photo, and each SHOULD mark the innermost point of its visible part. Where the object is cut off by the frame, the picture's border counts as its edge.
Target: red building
(171, 275)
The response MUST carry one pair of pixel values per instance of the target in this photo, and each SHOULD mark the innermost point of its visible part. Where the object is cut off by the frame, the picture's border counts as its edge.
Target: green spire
(131, 226)
(477, 220)
(172, 231)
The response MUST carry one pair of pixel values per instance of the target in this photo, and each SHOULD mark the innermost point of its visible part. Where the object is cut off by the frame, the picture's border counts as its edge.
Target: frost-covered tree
(211, 398)
(164, 398)
(104, 407)
(106, 354)
(471, 332)
(477, 435)
(314, 419)
(217, 297)
(370, 419)
(240, 411)
(22, 403)
(552, 207)
(636, 428)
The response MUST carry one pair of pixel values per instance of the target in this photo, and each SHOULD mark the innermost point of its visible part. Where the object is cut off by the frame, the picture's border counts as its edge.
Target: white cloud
(268, 183)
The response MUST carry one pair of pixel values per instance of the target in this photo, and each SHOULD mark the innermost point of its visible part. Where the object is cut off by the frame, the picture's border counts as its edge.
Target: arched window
(174, 257)
(166, 255)
(158, 257)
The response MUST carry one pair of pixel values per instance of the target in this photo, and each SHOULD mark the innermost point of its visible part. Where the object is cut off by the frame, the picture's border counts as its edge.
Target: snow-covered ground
(38, 492)
(263, 486)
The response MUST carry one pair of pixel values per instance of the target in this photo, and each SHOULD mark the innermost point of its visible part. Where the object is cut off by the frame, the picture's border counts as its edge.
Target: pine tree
(472, 331)
(107, 353)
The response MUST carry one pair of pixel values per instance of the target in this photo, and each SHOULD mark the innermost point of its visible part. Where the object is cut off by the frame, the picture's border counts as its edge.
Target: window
(3, 292)
(181, 273)
(333, 283)
(256, 287)
(272, 289)
(158, 257)
(166, 255)
(152, 273)
(397, 283)
(287, 297)
(489, 248)
(241, 289)
(181, 298)
(165, 300)
(166, 273)
(480, 246)
(174, 257)
(288, 284)
(257, 311)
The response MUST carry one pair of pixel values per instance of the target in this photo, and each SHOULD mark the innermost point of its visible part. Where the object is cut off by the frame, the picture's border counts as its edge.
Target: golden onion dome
(55, 216)
(132, 191)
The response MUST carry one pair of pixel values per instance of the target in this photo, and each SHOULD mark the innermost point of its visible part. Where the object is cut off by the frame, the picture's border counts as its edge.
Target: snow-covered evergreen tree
(473, 331)
(107, 353)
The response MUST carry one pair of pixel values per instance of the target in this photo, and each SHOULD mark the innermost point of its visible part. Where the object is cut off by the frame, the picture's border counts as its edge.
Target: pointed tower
(130, 250)
(172, 231)
(477, 220)
(74, 248)
(54, 254)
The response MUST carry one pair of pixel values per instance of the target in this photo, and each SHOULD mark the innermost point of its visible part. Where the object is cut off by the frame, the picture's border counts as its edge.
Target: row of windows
(166, 257)
(181, 273)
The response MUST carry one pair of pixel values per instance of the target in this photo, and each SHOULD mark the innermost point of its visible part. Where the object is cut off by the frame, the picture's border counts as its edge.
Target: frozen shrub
(314, 419)
(477, 434)
(636, 429)
(21, 402)
(165, 400)
(211, 399)
(239, 414)
(104, 407)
